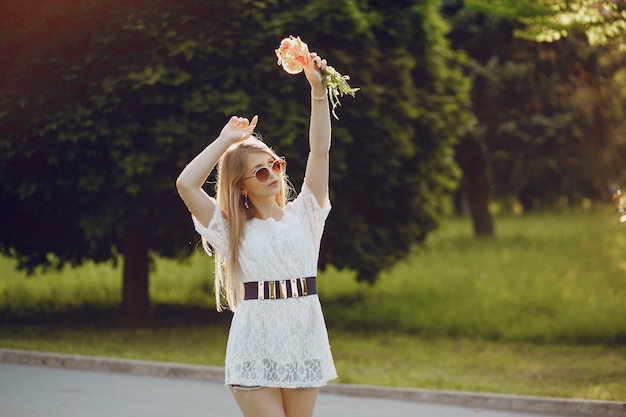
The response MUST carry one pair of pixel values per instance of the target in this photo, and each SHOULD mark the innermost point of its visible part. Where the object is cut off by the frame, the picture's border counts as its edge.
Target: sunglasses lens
(263, 174)
(278, 165)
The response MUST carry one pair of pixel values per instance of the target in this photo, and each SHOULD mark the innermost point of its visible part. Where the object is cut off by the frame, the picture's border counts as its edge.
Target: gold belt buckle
(303, 287)
(272, 290)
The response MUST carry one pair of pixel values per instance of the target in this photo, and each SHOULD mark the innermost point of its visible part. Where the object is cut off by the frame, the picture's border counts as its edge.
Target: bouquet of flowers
(293, 55)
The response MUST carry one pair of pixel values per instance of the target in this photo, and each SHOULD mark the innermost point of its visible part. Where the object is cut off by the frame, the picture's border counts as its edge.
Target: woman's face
(262, 175)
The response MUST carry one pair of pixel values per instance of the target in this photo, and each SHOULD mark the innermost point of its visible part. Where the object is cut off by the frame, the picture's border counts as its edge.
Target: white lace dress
(278, 343)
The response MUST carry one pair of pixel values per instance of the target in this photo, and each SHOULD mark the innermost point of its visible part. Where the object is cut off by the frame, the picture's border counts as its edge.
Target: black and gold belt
(277, 290)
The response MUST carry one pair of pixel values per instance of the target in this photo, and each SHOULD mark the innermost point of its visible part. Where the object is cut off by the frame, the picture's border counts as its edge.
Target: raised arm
(316, 175)
(189, 182)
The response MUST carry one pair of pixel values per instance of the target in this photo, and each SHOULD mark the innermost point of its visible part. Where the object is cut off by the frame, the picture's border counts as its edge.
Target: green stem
(337, 86)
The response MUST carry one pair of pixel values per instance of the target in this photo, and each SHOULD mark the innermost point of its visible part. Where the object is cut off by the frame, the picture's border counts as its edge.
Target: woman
(267, 252)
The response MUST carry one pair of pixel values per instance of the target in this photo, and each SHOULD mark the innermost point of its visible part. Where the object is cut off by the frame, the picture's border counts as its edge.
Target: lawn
(539, 310)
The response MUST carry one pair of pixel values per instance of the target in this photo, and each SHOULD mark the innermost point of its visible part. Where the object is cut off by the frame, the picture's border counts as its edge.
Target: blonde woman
(267, 250)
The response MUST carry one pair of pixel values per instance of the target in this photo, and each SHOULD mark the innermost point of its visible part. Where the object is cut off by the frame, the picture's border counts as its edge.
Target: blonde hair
(230, 173)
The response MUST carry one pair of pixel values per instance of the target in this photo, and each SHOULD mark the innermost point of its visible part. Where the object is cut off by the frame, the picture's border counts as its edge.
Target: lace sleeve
(316, 214)
(216, 233)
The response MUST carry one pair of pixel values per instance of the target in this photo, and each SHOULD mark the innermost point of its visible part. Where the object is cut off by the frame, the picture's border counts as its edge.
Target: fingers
(238, 121)
(250, 127)
(239, 128)
(318, 62)
(253, 123)
(243, 122)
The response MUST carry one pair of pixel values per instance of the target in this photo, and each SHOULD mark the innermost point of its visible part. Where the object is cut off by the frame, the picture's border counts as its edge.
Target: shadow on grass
(161, 315)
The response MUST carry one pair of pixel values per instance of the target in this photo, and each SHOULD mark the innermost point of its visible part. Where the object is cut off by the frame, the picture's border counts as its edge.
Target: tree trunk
(135, 297)
(459, 199)
(476, 186)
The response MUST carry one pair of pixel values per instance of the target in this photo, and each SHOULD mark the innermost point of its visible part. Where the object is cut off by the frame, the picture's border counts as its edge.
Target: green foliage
(550, 116)
(602, 22)
(104, 102)
(394, 172)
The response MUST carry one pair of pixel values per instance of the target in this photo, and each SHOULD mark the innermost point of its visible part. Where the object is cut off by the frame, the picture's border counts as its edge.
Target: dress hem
(269, 384)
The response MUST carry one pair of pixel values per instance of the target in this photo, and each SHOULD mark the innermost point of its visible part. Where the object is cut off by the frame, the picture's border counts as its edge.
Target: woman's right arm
(189, 182)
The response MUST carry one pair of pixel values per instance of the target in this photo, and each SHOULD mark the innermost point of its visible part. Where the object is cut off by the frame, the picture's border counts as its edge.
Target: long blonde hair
(230, 173)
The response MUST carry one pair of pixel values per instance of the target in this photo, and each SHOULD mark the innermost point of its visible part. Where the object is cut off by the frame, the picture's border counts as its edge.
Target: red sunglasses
(263, 174)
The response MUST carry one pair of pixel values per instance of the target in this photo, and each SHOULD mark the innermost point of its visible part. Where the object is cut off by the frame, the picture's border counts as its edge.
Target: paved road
(35, 391)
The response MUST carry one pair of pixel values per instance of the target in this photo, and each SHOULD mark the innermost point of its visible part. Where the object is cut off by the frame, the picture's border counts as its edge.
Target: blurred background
(475, 177)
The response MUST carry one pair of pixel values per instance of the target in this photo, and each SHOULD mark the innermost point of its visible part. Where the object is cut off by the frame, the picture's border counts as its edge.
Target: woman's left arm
(316, 174)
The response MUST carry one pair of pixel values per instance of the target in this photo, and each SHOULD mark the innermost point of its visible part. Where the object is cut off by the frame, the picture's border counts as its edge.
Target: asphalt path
(41, 391)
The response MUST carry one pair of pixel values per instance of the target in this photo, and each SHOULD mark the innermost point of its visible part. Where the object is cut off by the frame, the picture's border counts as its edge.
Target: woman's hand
(238, 128)
(313, 72)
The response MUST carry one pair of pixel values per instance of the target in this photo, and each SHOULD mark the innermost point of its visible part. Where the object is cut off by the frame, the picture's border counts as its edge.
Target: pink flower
(293, 54)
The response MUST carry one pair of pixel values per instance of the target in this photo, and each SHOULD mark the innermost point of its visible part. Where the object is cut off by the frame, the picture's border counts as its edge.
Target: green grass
(473, 365)
(99, 287)
(540, 310)
(546, 278)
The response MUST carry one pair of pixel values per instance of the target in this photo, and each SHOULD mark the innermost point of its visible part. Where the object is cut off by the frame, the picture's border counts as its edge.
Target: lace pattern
(278, 343)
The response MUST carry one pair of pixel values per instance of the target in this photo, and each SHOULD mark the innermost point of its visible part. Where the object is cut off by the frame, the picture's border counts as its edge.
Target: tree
(104, 102)
(95, 99)
(544, 112)
(392, 158)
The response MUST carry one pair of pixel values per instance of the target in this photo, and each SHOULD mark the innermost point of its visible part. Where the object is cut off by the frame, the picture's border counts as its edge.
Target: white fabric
(278, 343)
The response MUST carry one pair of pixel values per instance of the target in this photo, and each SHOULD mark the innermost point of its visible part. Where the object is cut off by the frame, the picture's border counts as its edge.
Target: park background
(473, 243)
